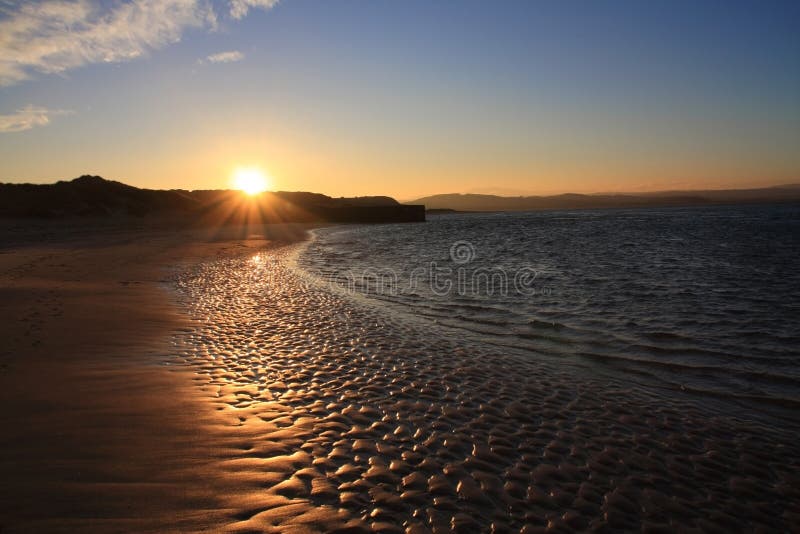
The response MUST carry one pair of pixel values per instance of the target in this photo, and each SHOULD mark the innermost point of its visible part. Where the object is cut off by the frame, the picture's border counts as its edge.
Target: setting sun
(250, 180)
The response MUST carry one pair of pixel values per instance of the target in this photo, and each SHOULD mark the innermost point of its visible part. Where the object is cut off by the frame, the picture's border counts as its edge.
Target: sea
(703, 301)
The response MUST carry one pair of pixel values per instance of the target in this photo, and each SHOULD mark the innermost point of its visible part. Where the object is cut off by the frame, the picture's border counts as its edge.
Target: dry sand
(97, 433)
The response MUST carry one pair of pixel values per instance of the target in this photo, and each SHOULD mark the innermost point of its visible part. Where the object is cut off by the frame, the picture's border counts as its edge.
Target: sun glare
(250, 180)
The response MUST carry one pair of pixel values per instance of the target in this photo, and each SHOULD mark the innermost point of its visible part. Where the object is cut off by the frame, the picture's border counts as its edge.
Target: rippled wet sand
(347, 418)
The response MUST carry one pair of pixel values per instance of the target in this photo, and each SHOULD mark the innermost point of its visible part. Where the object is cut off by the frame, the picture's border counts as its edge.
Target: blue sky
(403, 98)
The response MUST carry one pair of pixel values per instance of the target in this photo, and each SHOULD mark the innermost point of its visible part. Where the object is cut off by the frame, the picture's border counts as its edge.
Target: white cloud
(54, 36)
(28, 117)
(226, 57)
(239, 8)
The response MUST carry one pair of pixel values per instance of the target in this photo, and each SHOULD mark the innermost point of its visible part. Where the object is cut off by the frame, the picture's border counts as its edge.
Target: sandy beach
(98, 433)
(195, 382)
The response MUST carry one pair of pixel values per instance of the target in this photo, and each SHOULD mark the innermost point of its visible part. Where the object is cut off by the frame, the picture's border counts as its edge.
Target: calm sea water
(702, 300)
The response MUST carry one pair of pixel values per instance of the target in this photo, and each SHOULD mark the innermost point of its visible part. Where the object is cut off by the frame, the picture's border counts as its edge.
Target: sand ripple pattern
(362, 422)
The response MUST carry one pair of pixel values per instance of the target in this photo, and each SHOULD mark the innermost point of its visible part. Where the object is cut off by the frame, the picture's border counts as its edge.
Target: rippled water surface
(697, 299)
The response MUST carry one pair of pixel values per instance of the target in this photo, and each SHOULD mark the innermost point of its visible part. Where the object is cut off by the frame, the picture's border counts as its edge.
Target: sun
(250, 180)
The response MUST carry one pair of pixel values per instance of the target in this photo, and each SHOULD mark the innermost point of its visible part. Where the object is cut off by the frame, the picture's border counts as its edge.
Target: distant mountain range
(471, 202)
(93, 196)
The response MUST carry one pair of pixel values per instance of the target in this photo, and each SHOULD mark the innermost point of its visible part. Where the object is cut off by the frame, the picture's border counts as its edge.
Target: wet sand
(350, 418)
(264, 402)
(98, 434)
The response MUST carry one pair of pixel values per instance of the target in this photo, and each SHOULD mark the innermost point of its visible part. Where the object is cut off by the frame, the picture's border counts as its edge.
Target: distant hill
(88, 196)
(93, 196)
(470, 202)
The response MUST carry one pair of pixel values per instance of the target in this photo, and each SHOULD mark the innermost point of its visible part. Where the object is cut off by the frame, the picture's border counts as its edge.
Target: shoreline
(352, 418)
(255, 401)
(99, 434)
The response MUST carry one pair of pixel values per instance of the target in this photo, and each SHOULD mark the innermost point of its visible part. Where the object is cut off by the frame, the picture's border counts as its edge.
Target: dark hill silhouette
(93, 196)
(472, 202)
(88, 196)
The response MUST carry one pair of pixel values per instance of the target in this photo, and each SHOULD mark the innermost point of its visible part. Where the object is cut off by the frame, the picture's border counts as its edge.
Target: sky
(404, 98)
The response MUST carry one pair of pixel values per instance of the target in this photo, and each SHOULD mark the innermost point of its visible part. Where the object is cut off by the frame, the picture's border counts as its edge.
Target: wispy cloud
(54, 36)
(28, 117)
(240, 8)
(226, 57)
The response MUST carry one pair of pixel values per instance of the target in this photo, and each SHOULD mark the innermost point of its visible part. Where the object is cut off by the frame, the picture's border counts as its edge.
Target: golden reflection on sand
(346, 418)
